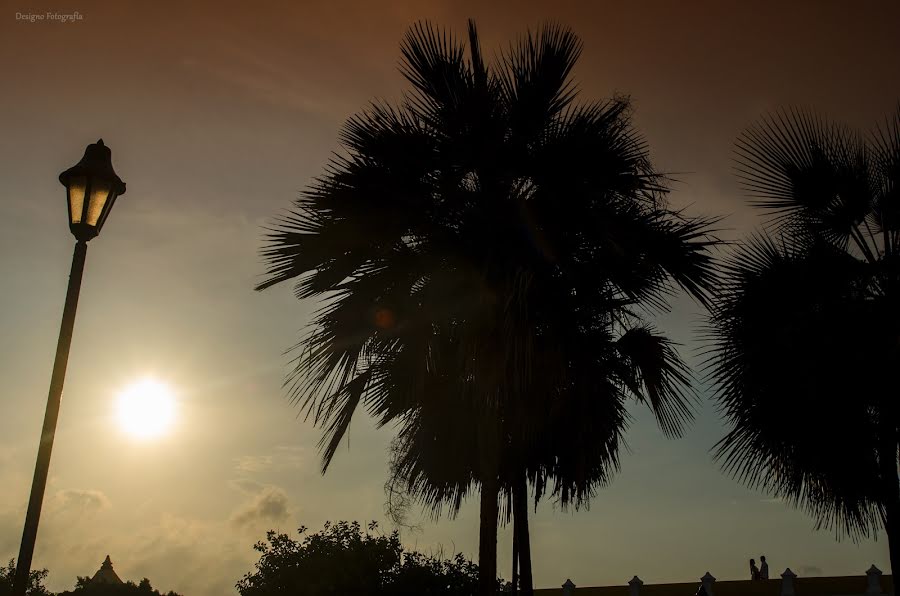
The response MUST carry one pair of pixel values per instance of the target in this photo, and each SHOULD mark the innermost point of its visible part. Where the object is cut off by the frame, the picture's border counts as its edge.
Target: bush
(342, 559)
(84, 587)
(35, 581)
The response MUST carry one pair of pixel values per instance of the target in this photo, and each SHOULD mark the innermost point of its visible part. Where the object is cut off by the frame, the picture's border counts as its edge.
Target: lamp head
(92, 188)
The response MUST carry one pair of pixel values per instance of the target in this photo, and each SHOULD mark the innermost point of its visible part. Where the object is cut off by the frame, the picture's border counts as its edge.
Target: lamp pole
(92, 187)
(41, 468)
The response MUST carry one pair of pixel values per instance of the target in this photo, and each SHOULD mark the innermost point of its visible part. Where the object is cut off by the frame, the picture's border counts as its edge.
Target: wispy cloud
(270, 506)
(284, 457)
(253, 463)
(171, 552)
(271, 78)
(80, 501)
(246, 485)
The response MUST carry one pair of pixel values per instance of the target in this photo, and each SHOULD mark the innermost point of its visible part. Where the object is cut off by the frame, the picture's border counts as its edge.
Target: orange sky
(217, 114)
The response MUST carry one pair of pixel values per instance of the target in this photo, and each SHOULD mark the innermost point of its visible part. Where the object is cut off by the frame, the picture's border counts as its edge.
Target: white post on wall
(787, 582)
(708, 580)
(634, 586)
(874, 575)
(568, 588)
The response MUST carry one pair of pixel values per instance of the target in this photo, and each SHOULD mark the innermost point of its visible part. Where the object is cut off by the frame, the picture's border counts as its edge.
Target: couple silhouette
(762, 572)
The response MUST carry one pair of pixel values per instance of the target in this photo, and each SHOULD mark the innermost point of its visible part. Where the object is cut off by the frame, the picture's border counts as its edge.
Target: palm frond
(535, 80)
(886, 208)
(812, 176)
(795, 331)
(433, 63)
(656, 375)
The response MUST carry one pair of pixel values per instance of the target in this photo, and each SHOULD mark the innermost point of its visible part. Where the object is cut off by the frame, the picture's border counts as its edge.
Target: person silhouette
(763, 567)
(754, 572)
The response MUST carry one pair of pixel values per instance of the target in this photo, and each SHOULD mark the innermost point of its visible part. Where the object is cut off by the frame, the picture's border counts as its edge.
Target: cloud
(80, 501)
(253, 463)
(284, 457)
(246, 485)
(264, 80)
(171, 551)
(808, 571)
(269, 506)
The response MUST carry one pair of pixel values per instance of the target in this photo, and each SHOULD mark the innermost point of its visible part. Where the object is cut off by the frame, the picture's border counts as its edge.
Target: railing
(788, 585)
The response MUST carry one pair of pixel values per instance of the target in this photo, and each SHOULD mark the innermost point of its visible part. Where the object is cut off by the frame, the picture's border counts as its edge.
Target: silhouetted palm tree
(806, 329)
(483, 248)
(567, 442)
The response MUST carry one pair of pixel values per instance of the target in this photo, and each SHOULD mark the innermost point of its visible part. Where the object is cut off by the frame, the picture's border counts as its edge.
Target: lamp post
(91, 188)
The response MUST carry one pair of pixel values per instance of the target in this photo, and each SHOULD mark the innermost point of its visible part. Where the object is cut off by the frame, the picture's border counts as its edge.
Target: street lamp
(91, 188)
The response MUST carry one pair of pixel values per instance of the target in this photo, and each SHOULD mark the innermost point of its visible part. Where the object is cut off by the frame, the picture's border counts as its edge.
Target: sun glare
(146, 409)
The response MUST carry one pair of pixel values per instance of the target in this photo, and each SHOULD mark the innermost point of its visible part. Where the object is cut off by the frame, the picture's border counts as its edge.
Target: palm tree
(565, 447)
(805, 329)
(482, 250)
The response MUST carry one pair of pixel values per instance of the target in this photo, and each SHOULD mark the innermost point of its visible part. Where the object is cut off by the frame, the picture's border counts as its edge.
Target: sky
(218, 115)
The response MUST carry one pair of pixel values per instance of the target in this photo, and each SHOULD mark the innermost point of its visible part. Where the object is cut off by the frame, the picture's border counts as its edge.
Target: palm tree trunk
(515, 557)
(891, 517)
(892, 528)
(487, 540)
(520, 528)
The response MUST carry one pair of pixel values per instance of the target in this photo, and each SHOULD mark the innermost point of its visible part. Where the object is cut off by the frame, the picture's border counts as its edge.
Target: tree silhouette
(85, 587)
(35, 580)
(485, 251)
(572, 446)
(805, 328)
(345, 559)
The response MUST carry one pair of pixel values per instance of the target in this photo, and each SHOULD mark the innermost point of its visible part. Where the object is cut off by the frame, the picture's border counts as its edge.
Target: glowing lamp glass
(92, 187)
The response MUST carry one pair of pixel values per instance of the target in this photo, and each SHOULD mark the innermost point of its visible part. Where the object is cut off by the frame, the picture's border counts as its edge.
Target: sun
(146, 409)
